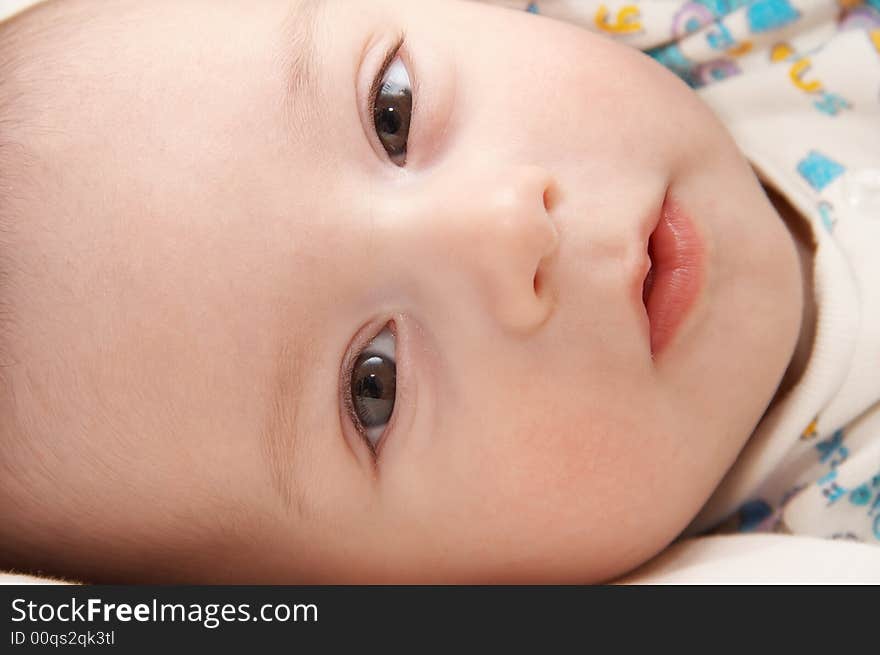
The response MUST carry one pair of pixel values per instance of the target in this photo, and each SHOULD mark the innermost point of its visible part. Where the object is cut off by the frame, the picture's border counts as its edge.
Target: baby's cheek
(608, 476)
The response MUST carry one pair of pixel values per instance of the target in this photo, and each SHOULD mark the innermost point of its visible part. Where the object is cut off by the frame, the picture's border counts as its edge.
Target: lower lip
(674, 281)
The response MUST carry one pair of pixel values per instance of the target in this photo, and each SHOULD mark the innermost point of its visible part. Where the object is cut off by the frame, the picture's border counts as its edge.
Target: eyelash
(349, 405)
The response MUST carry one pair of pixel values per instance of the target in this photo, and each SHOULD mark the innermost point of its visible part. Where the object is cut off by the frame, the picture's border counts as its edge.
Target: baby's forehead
(134, 131)
(164, 73)
(129, 68)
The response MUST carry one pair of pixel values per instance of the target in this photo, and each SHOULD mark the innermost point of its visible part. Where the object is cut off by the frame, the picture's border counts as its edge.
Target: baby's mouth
(675, 277)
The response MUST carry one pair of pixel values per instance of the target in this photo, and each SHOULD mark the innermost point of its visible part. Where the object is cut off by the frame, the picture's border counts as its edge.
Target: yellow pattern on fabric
(795, 73)
(875, 39)
(780, 52)
(626, 21)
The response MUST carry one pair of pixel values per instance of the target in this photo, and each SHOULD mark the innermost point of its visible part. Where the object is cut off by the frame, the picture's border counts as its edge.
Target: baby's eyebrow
(282, 428)
(299, 57)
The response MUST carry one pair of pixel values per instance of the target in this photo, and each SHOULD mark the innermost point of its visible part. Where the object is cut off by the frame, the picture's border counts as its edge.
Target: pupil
(389, 121)
(370, 386)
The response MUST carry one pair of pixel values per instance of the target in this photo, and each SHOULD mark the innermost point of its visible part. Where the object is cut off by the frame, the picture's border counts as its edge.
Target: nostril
(537, 282)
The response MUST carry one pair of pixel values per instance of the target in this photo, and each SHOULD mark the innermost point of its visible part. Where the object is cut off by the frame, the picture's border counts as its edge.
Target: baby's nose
(506, 237)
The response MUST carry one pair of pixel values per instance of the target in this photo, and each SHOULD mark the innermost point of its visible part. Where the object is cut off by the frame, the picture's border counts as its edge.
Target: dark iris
(373, 387)
(392, 116)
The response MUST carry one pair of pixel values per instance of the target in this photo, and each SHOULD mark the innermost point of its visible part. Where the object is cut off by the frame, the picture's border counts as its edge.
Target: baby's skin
(208, 233)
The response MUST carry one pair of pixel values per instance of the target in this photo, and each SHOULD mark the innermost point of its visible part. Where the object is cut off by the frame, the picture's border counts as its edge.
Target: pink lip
(675, 278)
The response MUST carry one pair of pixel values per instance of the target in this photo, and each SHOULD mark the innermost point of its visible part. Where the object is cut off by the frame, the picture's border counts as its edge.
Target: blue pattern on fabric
(818, 170)
(767, 15)
(752, 513)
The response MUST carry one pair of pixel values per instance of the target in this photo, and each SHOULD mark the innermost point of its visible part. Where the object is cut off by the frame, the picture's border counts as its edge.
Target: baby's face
(216, 232)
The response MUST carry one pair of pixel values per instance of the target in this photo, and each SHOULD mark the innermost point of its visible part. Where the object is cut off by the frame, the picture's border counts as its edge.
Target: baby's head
(205, 225)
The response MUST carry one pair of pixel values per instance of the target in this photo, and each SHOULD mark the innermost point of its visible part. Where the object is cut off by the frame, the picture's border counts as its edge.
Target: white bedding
(762, 559)
(734, 559)
(9, 7)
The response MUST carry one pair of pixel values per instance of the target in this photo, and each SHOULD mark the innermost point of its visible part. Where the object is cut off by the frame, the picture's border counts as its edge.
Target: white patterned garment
(797, 82)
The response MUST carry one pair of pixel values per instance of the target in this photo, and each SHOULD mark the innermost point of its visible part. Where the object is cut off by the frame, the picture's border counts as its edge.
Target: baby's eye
(392, 111)
(373, 386)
